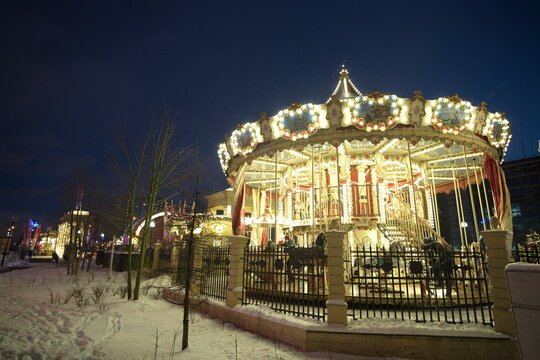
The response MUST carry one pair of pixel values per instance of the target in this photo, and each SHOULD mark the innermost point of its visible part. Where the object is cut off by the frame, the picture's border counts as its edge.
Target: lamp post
(8, 238)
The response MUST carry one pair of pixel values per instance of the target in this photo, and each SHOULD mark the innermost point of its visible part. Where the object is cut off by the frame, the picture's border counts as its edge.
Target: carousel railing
(430, 284)
(417, 227)
(288, 280)
(354, 200)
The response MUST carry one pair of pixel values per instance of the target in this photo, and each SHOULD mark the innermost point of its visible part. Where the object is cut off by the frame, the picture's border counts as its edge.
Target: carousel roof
(364, 126)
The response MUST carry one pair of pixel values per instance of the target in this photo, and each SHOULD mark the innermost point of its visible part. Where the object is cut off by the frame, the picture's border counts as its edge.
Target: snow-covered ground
(38, 320)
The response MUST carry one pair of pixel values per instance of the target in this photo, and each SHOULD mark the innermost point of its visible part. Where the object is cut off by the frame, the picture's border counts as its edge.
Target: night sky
(75, 73)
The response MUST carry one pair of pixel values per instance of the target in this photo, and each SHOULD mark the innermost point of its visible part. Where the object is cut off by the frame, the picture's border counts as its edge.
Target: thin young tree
(190, 255)
(161, 172)
(130, 188)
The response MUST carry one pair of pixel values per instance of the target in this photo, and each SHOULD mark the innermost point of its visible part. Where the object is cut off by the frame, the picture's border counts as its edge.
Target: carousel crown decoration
(244, 138)
(376, 111)
(452, 115)
(298, 121)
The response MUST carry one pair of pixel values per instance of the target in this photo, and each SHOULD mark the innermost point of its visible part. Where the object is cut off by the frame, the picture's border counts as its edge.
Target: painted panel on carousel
(417, 108)
(244, 139)
(334, 113)
(298, 121)
(266, 127)
(452, 115)
(376, 112)
(480, 118)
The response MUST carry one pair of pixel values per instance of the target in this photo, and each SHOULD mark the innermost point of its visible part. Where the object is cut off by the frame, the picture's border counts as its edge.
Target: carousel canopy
(446, 137)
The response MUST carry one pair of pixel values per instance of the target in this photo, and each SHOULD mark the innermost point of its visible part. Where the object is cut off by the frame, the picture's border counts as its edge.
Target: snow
(36, 324)
(379, 325)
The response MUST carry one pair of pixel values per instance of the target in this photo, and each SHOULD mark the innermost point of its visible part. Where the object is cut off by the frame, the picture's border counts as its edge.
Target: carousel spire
(345, 89)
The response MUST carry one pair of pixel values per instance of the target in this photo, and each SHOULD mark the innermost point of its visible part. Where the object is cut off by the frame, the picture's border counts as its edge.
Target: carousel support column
(480, 199)
(456, 190)
(321, 202)
(413, 200)
(340, 207)
(312, 212)
(485, 192)
(434, 200)
(473, 205)
(336, 305)
(276, 190)
(465, 225)
(236, 270)
(155, 258)
(499, 247)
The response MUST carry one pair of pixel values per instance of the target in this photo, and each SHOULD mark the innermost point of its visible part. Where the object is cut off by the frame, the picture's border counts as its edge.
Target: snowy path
(31, 327)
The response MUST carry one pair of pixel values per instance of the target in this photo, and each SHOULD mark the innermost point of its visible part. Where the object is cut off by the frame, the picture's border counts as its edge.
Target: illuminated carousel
(369, 164)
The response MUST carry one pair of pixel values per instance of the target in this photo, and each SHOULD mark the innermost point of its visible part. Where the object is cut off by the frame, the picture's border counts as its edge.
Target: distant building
(48, 241)
(523, 180)
(220, 203)
(76, 225)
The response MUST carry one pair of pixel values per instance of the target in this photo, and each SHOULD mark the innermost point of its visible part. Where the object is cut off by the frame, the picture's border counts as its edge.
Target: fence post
(173, 265)
(499, 251)
(336, 305)
(237, 245)
(197, 266)
(155, 259)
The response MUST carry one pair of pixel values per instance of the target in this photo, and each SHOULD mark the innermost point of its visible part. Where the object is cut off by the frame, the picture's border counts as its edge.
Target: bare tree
(161, 178)
(130, 187)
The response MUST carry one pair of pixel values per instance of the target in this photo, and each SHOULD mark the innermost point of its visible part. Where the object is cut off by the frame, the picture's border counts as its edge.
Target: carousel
(371, 164)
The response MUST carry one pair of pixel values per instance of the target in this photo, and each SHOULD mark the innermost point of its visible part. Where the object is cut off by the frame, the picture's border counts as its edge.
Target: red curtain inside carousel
(501, 195)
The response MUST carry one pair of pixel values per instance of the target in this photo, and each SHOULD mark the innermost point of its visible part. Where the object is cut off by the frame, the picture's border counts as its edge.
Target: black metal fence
(431, 284)
(527, 254)
(289, 280)
(214, 271)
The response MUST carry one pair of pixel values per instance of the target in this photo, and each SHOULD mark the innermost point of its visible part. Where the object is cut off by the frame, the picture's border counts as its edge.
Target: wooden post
(155, 258)
(236, 270)
(499, 247)
(336, 305)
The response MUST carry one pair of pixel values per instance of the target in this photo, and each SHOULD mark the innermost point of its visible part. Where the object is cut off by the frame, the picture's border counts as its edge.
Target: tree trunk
(131, 210)
(189, 263)
(70, 244)
(146, 233)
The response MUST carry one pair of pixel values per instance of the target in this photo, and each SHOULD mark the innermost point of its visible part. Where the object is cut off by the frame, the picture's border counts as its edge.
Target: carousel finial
(344, 72)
